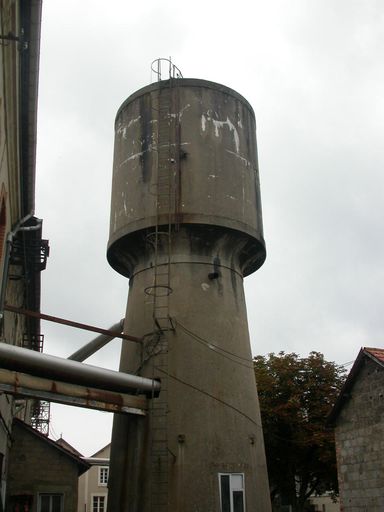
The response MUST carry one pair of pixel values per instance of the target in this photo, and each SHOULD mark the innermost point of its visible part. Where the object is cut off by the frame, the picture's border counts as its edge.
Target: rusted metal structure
(30, 374)
(70, 323)
(186, 227)
(26, 373)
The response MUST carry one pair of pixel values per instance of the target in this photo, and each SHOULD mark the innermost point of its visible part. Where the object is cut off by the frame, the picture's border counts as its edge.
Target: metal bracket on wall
(18, 39)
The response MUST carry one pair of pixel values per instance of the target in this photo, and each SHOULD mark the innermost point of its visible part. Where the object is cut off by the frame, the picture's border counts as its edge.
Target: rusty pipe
(70, 323)
(43, 365)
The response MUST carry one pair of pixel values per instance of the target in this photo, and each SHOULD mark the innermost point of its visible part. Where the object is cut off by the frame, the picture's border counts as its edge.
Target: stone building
(22, 251)
(43, 475)
(93, 490)
(358, 418)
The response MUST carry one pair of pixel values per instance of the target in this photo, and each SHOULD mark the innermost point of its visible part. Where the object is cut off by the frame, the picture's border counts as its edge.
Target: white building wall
(92, 483)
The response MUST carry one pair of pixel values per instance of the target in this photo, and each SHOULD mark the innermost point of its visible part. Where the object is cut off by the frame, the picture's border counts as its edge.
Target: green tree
(296, 395)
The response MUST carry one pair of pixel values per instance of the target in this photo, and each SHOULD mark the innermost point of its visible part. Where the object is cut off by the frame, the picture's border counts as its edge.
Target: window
(50, 503)
(99, 504)
(103, 475)
(22, 502)
(231, 492)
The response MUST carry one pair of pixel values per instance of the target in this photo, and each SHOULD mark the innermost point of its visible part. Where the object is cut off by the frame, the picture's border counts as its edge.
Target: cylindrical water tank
(204, 134)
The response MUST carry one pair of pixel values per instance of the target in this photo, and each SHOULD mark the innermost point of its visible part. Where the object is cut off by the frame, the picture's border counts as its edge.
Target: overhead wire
(216, 348)
(348, 363)
(223, 402)
(219, 350)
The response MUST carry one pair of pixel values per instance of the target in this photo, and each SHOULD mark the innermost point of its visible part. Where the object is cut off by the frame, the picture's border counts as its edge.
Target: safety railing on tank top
(163, 69)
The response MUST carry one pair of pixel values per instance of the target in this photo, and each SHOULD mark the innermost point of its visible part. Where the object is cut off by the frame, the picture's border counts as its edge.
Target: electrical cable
(213, 346)
(216, 348)
(276, 436)
(210, 396)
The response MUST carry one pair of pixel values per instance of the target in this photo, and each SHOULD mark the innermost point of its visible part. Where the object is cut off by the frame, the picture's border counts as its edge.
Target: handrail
(156, 68)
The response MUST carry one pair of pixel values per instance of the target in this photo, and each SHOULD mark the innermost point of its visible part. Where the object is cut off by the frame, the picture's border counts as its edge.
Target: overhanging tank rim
(188, 220)
(184, 82)
(249, 268)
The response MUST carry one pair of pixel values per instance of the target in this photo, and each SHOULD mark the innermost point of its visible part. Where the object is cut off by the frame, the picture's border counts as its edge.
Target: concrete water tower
(186, 227)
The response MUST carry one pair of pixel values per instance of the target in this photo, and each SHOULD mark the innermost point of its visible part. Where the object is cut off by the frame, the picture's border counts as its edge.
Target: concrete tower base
(207, 415)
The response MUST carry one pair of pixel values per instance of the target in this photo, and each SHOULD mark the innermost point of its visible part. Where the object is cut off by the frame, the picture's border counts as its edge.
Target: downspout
(8, 247)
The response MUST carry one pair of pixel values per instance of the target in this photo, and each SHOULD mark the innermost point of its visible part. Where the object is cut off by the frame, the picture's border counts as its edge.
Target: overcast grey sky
(313, 71)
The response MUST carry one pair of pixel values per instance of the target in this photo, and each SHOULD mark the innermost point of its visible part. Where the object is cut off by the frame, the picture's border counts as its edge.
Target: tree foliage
(296, 395)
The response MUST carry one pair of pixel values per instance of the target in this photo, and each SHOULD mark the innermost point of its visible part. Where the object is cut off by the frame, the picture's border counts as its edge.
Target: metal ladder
(165, 207)
(166, 210)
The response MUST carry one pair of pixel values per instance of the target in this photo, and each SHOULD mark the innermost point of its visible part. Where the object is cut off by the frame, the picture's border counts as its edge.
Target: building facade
(43, 475)
(93, 485)
(358, 418)
(22, 252)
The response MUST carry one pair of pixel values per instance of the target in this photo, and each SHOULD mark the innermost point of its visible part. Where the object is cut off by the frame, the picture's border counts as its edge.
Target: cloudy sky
(313, 71)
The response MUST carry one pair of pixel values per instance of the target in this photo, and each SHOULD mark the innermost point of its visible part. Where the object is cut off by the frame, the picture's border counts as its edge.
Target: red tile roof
(377, 353)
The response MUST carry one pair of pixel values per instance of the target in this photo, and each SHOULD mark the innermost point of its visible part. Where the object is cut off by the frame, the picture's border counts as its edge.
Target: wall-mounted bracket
(18, 39)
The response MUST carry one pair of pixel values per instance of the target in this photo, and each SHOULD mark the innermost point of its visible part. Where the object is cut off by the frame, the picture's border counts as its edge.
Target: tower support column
(211, 413)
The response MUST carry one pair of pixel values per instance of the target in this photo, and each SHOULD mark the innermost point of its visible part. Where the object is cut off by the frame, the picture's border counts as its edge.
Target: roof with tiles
(377, 353)
(374, 354)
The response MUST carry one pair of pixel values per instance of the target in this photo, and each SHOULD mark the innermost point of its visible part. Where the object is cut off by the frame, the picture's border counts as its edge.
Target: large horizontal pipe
(96, 344)
(22, 385)
(52, 367)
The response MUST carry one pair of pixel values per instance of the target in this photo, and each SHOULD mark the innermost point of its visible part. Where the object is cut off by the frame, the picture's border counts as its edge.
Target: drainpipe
(8, 247)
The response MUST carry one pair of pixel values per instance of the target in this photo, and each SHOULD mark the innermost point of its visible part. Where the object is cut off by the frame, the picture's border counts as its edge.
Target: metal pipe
(8, 247)
(32, 228)
(70, 323)
(43, 365)
(29, 386)
(96, 344)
